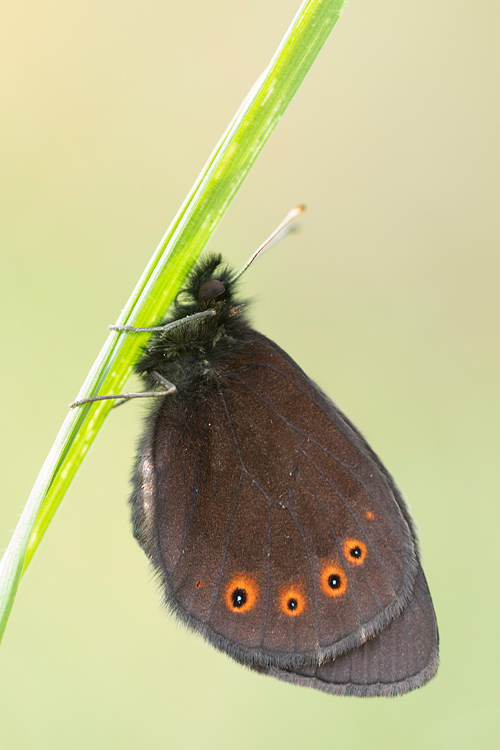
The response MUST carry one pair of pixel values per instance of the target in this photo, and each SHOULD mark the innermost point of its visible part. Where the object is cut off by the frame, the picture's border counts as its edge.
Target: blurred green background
(388, 297)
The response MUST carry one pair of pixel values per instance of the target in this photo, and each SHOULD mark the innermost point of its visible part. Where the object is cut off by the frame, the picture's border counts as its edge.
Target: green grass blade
(186, 237)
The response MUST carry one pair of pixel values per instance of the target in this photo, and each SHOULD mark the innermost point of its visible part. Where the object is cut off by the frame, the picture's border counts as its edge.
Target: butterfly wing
(274, 529)
(400, 658)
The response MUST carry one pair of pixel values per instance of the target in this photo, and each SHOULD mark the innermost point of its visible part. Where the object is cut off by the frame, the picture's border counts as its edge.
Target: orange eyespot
(369, 515)
(355, 551)
(333, 579)
(292, 601)
(241, 593)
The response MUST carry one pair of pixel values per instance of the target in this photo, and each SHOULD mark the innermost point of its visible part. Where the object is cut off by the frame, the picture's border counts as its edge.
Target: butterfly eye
(355, 551)
(333, 580)
(292, 601)
(241, 594)
(210, 289)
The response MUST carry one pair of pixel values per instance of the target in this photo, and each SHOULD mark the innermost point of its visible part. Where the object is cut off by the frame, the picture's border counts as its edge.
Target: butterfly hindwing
(400, 658)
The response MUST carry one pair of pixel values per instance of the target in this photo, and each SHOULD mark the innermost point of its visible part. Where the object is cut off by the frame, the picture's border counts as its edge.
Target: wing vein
(311, 567)
(335, 541)
(221, 574)
(346, 505)
(245, 470)
(323, 448)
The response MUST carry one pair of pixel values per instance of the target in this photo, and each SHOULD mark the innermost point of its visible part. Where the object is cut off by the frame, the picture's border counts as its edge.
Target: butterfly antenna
(274, 237)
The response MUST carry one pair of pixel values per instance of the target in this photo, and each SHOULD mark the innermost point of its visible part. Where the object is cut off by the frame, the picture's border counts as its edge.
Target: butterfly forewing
(273, 527)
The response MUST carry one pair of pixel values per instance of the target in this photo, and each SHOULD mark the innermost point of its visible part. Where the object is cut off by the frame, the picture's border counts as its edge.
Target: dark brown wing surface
(310, 550)
(402, 657)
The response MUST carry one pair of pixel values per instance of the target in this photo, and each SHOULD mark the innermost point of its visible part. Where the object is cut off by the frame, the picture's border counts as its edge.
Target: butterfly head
(210, 286)
(181, 353)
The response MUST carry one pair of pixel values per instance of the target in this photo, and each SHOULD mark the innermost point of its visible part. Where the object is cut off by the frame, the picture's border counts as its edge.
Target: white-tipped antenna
(272, 239)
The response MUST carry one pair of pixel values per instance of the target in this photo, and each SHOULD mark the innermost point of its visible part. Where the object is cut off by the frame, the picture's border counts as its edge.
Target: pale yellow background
(388, 297)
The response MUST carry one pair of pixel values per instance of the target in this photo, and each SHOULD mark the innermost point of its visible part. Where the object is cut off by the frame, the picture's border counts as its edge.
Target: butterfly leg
(168, 386)
(169, 389)
(168, 326)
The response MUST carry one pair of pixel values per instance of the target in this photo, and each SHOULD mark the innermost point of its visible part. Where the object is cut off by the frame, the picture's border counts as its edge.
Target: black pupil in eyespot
(355, 552)
(334, 581)
(239, 598)
(292, 604)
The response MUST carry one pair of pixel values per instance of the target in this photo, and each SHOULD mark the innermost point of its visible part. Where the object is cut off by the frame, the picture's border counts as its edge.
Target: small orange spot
(292, 601)
(200, 585)
(241, 593)
(333, 579)
(355, 551)
(369, 515)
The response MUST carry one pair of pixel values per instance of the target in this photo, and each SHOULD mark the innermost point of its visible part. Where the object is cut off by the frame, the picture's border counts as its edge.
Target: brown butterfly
(273, 527)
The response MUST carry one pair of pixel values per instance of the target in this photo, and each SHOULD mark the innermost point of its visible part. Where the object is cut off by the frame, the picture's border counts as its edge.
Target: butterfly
(273, 528)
